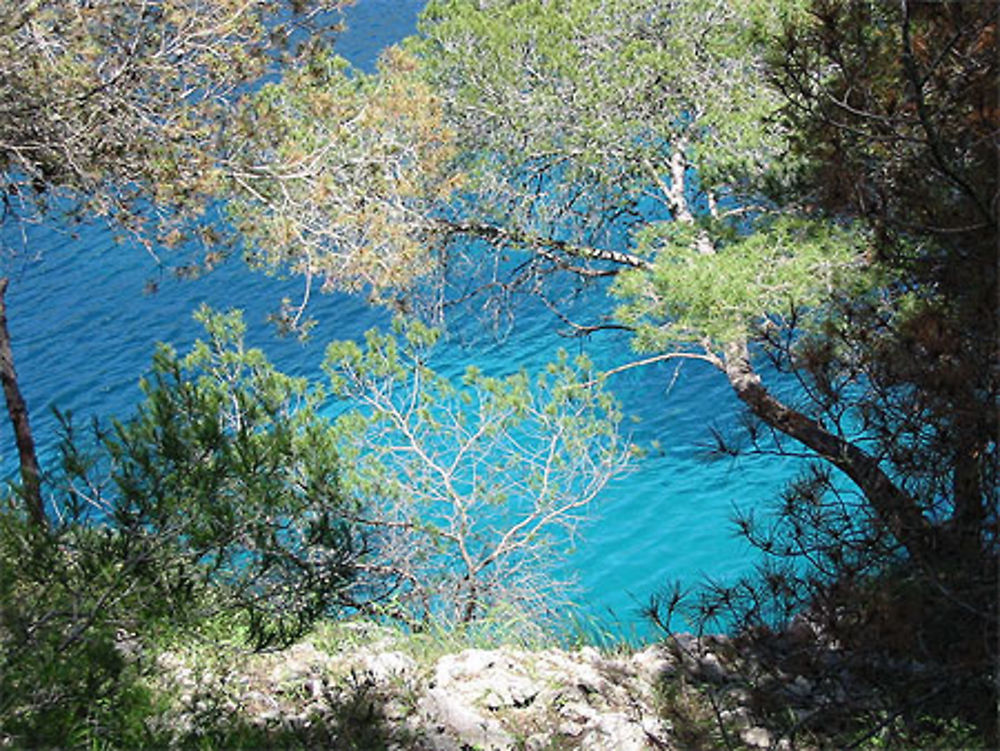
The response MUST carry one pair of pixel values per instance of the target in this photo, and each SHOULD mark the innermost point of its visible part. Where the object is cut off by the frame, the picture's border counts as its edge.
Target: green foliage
(578, 123)
(229, 458)
(116, 109)
(810, 182)
(470, 487)
(220, 494)
(928, 732)
(332, 173)
(648, 125)
(65, 679)
(782, 269)
(227, 496)
(807, 184)
(693, 715)
(610, 84)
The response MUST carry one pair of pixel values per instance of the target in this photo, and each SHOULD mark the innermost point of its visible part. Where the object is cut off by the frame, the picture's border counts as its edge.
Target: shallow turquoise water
(84, 332)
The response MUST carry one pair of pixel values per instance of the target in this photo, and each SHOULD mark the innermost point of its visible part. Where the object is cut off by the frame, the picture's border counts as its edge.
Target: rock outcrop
(504, 698)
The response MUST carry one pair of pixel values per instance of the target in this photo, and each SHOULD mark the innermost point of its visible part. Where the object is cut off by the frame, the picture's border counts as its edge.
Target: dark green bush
(220, 495)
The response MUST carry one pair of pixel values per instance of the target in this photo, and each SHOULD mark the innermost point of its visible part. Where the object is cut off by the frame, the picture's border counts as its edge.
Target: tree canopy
(114, 107)
(471, 487)
(802, 194)
(118, 110)
(686, 150)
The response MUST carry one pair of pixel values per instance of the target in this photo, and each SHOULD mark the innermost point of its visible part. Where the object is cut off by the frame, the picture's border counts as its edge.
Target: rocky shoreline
(374, 692)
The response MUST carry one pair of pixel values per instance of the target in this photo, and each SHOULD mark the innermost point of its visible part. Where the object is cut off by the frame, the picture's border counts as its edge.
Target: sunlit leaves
(569, 110)
(117, 107)
(786, 265)
(332, 173)
(467, 482)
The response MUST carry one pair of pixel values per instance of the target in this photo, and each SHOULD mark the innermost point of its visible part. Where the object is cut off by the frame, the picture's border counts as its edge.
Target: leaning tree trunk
(898, 510)
(18, 412)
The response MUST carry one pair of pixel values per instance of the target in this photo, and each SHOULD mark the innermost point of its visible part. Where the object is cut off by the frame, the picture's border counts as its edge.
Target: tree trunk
(18, 411)
(896, 508)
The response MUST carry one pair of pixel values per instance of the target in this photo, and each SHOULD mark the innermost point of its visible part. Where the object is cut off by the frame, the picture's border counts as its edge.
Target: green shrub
(220, 495)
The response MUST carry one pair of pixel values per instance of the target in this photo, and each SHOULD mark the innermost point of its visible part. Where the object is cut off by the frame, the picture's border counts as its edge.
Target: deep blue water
(84, 332)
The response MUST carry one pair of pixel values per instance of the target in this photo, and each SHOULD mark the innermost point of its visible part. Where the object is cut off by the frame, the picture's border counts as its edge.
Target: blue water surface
(84, 330)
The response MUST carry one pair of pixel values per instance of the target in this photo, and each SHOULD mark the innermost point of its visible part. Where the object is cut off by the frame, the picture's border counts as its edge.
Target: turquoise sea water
(84, 331)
